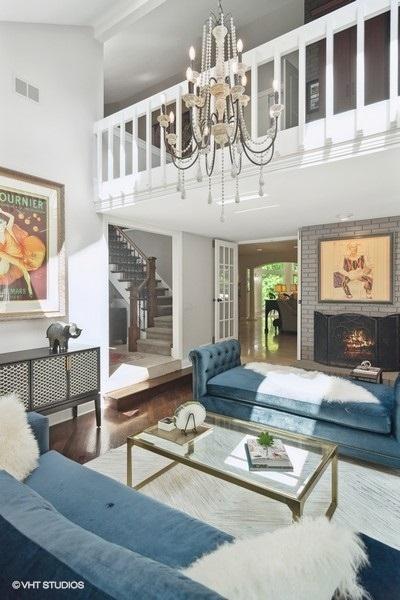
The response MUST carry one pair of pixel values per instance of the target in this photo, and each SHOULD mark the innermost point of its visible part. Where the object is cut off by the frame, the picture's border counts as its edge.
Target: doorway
(268, 301)
(140, 306)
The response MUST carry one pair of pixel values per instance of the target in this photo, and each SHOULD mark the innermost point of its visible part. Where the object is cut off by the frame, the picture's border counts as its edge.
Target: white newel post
(277, 77)
(99, 146)
(302, 90)
(122, 151)
(360, 69)
(149, 145)
(110, 153)
(329, 81)
(254, 98)
(394, 61)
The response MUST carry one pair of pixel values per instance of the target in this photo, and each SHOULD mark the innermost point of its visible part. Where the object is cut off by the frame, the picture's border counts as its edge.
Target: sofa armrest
(212, 360)
(40, 428)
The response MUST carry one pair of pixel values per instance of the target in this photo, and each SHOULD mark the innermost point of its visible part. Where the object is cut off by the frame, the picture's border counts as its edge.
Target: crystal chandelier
(216, 99)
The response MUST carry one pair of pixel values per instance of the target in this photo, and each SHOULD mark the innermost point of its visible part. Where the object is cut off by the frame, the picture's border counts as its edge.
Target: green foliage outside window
(273, 274)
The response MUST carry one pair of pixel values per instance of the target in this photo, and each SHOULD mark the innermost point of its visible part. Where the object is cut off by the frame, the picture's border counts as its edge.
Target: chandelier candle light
(216, 99)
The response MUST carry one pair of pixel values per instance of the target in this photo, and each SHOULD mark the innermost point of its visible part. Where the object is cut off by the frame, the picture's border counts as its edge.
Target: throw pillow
(19, 451)
(310, 560)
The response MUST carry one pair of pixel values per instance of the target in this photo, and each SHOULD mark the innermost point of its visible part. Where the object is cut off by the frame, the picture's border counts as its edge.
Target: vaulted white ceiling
(154, 49)
(146, 41)
(56, 12)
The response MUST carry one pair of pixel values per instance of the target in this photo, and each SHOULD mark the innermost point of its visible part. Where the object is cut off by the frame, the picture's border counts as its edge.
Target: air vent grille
(26, 89)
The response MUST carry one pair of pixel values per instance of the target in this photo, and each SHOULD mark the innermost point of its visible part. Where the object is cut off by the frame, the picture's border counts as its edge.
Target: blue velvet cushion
(39, 544)
(243, 384)
(40, 427)
(381, 578)
(122, 515)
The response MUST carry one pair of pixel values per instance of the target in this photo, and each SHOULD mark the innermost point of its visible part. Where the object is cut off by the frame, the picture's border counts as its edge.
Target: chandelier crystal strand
(216, 98)
(222, 187)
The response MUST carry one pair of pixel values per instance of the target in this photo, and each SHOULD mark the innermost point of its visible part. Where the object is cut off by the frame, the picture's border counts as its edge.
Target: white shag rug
(369, 497)
(308, 386)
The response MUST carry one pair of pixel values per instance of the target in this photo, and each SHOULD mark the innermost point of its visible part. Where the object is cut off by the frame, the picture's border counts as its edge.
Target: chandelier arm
(210, 171)
(175, 156)
(254, 162)
(263, 150)
(185, 168)
(273, 138)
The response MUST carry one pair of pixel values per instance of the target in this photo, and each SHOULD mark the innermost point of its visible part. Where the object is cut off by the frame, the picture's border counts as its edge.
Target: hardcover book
(262, 457)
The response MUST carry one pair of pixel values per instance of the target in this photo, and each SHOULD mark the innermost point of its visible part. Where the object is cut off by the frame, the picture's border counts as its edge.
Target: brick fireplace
(310, 237)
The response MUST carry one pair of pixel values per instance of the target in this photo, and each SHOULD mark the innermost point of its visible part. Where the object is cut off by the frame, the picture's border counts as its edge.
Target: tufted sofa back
(212, 360)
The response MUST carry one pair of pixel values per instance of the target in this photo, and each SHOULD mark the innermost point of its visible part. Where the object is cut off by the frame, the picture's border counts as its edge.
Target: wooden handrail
(149, 283)
(130, 242)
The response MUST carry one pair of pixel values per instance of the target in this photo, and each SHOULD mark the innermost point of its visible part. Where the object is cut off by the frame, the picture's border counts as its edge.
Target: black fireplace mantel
(345, 340)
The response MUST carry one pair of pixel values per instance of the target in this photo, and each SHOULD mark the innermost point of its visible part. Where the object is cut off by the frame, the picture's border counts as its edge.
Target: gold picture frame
(33, 276)
(357, 269)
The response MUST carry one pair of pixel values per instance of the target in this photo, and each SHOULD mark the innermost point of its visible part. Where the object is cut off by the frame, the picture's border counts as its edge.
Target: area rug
(369, 498)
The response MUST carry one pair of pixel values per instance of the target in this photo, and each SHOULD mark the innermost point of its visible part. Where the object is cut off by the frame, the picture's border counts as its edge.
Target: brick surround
(309, 274)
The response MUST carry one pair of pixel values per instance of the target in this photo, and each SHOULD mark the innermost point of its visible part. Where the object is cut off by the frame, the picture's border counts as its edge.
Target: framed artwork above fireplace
(356, 269)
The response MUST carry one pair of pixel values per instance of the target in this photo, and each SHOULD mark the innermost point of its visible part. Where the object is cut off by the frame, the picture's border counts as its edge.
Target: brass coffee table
(222, 455)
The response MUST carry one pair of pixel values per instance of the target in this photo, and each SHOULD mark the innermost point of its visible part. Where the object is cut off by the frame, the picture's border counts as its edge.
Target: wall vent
(26, 89)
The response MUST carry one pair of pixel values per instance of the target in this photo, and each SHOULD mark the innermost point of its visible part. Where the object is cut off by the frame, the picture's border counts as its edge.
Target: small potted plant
(265, 439)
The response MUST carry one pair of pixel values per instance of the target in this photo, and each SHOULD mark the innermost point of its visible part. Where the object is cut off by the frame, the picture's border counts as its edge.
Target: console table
(48, 383)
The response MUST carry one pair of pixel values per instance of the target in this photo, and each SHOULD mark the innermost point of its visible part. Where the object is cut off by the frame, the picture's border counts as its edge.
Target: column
(251, 316)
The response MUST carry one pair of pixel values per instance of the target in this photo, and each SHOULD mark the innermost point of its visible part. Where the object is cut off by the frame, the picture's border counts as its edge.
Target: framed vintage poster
(32, 253)
(356, 269)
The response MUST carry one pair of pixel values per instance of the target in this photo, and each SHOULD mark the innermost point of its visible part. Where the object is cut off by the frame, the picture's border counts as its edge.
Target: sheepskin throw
(19, 451)
(308, 386)
(310, 560)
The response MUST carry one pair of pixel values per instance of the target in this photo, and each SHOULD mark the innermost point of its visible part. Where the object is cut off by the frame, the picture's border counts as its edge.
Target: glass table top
(223, 451)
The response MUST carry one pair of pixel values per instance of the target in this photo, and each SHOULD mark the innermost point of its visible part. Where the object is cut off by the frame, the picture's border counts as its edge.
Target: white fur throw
(19, 451)
(306, 561)
(308, 386)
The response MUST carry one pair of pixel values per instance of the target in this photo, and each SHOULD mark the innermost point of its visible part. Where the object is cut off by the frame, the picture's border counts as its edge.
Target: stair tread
(159, 329)
(156, 342)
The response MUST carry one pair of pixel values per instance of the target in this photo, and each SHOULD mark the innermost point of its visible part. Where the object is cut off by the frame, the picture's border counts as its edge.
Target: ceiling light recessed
(256, 208)
(231, 200)
(345, 217)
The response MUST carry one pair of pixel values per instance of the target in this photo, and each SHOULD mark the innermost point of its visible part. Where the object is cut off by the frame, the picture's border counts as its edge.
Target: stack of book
(262, 458)
(175, 441)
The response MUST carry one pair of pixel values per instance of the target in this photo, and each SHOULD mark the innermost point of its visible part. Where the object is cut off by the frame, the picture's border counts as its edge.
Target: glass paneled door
(226, 290)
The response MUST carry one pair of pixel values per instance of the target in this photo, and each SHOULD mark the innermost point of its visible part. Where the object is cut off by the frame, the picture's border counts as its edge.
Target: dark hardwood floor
(81, 441)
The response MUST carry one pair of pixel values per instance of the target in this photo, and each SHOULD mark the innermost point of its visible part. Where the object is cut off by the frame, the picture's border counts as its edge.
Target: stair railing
(143, 297)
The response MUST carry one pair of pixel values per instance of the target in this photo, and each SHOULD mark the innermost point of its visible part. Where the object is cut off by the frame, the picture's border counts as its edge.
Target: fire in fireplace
(348, 339)
(358, 344)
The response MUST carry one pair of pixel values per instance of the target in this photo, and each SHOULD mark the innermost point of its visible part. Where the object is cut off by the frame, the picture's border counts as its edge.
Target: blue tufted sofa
(69, 524)
(369, 432)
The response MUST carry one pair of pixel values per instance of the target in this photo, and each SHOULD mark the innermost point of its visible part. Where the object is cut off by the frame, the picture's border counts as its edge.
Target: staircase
(150, 322)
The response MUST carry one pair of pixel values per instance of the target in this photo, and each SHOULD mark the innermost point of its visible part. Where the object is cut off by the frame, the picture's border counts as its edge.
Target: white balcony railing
(130, 164)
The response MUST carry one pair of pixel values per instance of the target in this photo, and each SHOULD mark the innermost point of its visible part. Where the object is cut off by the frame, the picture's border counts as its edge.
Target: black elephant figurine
(58, 335)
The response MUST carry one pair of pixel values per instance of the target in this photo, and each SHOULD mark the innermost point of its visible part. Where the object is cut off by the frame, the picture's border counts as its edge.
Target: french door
(225, 290)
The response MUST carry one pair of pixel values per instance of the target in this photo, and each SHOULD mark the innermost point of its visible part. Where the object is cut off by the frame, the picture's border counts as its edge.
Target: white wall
(197, 291)
(54, 140)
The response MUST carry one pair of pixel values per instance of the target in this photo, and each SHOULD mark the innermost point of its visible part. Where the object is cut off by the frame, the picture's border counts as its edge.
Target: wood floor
(81, 441)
